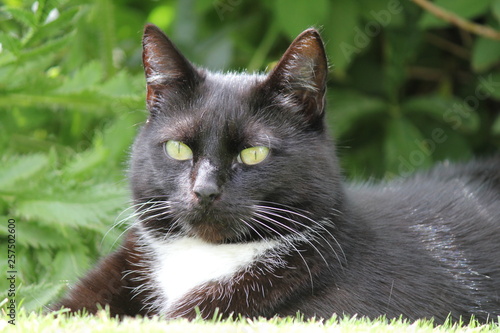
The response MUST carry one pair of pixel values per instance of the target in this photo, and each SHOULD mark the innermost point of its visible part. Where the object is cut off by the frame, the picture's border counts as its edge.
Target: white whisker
(314, 228)
(266, 210)
(290, 243)
(302, 236)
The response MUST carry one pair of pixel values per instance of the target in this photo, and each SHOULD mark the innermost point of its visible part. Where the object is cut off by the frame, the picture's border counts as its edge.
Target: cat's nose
(206, 187)
(207, 193)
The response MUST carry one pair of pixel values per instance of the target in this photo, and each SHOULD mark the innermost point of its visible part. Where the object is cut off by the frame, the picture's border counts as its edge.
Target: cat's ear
(301, 74)
(164, 65)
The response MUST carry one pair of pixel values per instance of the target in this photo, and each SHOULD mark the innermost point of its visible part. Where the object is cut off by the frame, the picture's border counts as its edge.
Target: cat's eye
(178, 150)
(253, 155)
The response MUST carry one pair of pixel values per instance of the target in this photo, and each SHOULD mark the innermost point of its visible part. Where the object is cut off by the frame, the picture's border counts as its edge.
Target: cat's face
(233, 157)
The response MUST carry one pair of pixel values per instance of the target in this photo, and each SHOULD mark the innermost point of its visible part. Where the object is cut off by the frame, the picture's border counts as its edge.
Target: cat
(241, 209)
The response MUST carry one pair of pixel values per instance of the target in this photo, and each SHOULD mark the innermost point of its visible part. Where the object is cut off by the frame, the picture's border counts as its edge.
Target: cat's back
(442, 226)
(459, 201)
(461, 192)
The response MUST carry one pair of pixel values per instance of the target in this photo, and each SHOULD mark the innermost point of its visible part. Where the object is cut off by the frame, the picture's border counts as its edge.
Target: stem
(460, 22)
(105, 20)
(263, 50)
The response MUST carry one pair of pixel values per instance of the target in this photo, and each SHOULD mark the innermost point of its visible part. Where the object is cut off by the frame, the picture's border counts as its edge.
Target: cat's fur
(286, 235)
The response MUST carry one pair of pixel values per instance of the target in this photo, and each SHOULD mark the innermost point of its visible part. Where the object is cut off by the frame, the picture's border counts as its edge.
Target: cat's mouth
(209, 233)
(216, 226)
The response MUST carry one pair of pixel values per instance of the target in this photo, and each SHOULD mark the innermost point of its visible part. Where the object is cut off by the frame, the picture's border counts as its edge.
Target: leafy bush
(406, 90)
(66, 125)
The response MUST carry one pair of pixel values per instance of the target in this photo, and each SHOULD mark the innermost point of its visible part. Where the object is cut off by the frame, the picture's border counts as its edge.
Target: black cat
(240, 207)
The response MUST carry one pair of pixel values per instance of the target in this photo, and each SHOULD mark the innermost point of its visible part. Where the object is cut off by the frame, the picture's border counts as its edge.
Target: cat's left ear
(301, 74)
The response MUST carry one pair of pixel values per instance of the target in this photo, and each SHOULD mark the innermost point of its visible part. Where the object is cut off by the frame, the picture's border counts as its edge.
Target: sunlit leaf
(71, 262)
(84, 79)
(16, 169)
(34, 297)
(10, 43)
(62, 25)
(24, 16)
(91, 208)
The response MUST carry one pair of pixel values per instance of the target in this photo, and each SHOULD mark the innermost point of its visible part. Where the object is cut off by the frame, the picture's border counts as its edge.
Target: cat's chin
(211, 234)
(215, 235)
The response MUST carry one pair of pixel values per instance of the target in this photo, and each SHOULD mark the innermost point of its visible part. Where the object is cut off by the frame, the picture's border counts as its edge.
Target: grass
(33, 322)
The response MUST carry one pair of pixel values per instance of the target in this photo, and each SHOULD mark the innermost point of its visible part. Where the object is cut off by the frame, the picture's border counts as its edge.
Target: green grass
(33, 322)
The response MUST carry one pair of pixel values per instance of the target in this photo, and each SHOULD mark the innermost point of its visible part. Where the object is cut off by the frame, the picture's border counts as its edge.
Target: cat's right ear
(164, 65)
(300, 76)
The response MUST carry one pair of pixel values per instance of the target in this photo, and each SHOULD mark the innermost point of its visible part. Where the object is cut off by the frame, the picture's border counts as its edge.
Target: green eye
(253, 155)
(178, 150)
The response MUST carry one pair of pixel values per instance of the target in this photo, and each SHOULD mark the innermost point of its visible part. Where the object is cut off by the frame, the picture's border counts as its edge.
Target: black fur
(424, 247)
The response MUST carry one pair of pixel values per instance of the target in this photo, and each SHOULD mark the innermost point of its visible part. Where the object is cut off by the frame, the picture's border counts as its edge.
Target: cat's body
(241, 208)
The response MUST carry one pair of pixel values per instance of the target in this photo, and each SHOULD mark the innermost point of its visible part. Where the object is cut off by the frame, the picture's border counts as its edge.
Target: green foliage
(406, 90)
(65, 130)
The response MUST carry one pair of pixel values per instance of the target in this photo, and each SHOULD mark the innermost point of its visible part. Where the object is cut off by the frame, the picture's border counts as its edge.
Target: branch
(460, 22)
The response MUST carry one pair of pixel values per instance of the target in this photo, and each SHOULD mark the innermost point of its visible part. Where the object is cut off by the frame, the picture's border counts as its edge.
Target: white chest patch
(186, 263)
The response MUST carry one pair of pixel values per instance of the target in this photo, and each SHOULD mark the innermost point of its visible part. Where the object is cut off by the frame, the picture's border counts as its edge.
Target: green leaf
(86, 162)
(496, 126)
(495, 7)
(90, 208)
(296, 16)
(490, 85)
(30, 234)
(405, 149)
(163, 15)
(348, 106)
(10, 43)
(71, 262)
(485, 54)
(363, 161)
(17, 169)
(463, 8)
(62, 25)
(23, 16)
(84, 101)
(384, 12)
(452, 112)
(402, 45)
(46, 49)
(444, 143)
(118, 137)
(347, 38)
(104, 19)
(34, 297)
(84, 79)
(123, 84)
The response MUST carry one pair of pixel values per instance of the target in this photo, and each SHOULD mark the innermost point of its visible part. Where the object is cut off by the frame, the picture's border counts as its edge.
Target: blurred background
(406, 90)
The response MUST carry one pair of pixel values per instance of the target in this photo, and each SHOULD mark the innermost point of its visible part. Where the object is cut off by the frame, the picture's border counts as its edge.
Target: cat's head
(234, 157)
